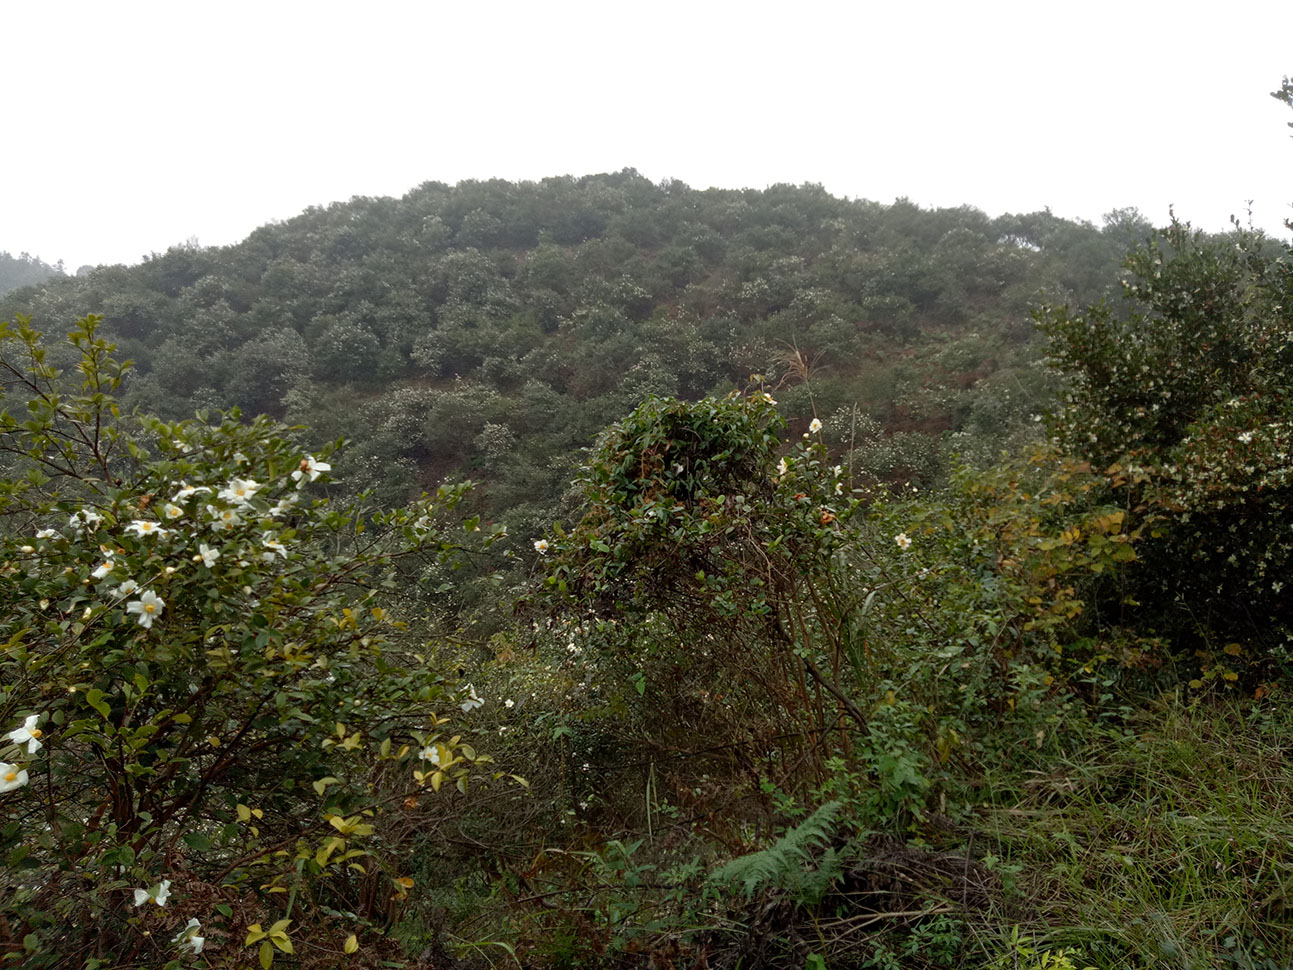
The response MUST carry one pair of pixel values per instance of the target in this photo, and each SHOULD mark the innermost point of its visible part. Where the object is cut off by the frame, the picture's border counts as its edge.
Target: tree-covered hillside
(25, 270)
(847, 586)
(491, 328)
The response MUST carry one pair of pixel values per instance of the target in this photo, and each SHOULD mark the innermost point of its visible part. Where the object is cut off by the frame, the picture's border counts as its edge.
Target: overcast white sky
(132, 126)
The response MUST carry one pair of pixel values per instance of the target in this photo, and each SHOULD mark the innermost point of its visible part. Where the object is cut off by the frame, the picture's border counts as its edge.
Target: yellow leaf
(405, 881)
(244, 813)
(266, 955)
(352, 944)
(326, 850)
(1230, 675)
(254, 933)
(1234, 649)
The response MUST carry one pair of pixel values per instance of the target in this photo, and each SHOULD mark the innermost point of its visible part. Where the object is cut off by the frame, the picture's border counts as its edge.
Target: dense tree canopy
(25, 270)
(493, 327)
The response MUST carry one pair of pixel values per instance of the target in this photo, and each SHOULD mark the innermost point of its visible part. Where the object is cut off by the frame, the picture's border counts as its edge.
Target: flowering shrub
(211, 712)
(693, 523)
(1188, 397)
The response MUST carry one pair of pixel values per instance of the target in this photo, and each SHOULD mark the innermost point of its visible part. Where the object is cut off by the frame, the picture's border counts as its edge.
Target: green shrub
(1187, 394)
(213, 718)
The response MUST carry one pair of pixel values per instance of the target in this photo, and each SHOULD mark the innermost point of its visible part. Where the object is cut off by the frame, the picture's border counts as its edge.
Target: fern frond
(788, 863)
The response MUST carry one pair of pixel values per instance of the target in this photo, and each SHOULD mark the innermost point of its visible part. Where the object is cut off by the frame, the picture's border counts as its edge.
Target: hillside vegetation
(658, 578)
(491, 329)
(24, 270)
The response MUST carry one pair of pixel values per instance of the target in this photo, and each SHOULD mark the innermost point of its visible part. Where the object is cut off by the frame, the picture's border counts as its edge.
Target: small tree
(209, 707)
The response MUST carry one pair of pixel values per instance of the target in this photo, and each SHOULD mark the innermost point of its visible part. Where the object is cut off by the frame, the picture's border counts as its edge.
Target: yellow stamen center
(150, 608)
(35, 732)
(11, 776)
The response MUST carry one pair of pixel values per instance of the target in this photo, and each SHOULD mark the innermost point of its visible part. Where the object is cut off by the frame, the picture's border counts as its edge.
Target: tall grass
(1167, 842)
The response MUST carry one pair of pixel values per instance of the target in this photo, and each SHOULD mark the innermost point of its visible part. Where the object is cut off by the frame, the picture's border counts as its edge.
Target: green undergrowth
(1164, 843)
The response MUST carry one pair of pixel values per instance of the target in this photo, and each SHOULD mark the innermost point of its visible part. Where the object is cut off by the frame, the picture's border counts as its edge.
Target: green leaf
(94, 697)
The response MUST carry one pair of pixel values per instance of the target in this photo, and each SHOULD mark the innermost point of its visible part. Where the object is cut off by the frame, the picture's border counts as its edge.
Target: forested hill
(492, 328)
(24, 270)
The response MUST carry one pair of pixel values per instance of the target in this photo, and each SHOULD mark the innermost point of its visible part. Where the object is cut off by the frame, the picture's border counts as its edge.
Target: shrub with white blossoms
(211, 713)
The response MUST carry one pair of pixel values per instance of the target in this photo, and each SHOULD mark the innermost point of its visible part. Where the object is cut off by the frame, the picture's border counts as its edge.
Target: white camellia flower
(309, 470)
(472, 702)
(46, 534)
(283, 505)
(86, 518)
(273, 545)
(104, 568)
(814, 426)
(149, 606)
(189, 936)
(126, 588)
(188, 491)
(158, 894)
(28, 734)
(239, 491)
(142, 527)
(223, 518)
(172, 511)
(206, 555)
(541, 546)
(904, 543)
(430, 753)
(782, 467)
(11, 777)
